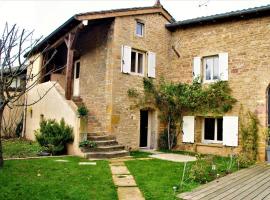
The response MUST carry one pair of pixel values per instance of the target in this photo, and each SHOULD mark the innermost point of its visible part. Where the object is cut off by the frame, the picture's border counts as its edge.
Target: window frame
(137, 52)
(215, 141)
(143, 28)
(212, 70)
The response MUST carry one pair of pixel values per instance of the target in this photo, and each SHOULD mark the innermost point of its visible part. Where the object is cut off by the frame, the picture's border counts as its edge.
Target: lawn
(20, 148)
(47, 179)
(156, 178)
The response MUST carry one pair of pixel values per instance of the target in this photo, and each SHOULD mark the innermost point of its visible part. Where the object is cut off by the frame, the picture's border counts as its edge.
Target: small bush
(54, 136)
(82, 111)
(249, 128)
(163, 140)
(87, 143)
(201, 171)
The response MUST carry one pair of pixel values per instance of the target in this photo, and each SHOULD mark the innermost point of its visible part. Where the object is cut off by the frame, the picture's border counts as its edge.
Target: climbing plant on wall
(173, 100)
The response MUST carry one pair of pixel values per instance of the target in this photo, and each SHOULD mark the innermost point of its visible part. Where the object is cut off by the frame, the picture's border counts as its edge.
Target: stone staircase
(107, 147)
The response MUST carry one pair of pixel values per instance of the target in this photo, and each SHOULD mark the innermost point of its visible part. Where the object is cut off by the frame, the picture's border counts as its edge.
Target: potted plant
(268, 146)
(87, 145)
(83, 115)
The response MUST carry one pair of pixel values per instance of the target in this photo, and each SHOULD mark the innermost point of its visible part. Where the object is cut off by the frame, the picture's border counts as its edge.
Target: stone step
(111, 154)
(106, 142)
(108, 148)
(100, 137)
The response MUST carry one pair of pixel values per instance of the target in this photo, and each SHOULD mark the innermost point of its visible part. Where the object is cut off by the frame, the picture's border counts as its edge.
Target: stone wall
(247, 43)
(125, 122)
(93, 46)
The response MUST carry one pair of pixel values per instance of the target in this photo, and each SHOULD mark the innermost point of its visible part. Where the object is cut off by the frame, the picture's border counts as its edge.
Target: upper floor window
(137, 62)
(211, 68)
(139, 29)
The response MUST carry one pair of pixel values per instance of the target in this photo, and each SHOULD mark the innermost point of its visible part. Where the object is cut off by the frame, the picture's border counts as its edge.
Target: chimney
(158, 4)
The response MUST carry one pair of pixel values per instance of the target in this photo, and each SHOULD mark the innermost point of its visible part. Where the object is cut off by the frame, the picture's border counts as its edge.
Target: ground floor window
(213, 130)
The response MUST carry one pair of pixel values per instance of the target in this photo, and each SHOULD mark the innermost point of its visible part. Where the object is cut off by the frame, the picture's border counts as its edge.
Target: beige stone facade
(103, 86)
(247, 44)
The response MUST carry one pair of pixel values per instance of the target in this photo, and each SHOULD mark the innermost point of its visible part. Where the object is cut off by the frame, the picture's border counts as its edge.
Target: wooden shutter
(230, 131)
(151, 64)
(188, 129)
(126, 59)
(197, 67)
(223, 66)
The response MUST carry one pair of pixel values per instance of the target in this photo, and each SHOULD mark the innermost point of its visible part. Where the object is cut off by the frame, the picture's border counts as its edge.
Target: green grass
(140, 154)
(44, 179)
(19, 148)
(156, 178)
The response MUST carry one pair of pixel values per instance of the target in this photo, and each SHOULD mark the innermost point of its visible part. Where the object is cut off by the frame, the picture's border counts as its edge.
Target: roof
(239, 14)
(78, 18)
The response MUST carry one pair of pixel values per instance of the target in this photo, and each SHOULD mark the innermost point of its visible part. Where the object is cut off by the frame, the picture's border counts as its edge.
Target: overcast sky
(45, 16)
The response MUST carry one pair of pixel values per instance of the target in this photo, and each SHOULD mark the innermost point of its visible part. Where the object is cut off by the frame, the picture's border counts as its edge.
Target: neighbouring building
(100, 55)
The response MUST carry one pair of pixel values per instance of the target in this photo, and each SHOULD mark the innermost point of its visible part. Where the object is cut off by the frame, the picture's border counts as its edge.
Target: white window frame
(136, 63)
(143, 27)
(212, 70)
(215, 141)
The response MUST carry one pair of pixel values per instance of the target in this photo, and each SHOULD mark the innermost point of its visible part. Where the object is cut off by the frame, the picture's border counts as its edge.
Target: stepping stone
(117, 164)
(87, 163)
(116, 170)
(174, 157)
(129, 193)
(61, 161)
(124, 180)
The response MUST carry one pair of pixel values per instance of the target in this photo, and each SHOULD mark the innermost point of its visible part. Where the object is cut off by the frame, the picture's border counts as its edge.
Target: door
(76, 85)
(144, 128)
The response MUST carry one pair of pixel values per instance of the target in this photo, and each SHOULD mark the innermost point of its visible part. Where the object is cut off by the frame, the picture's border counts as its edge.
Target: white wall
(52, 106)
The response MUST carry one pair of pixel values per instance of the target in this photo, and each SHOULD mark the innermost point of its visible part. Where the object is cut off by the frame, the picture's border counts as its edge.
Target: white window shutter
(197, 67)
(126, 59)
(223, 66)
(230, 131)
(151, 64)
(188, 129)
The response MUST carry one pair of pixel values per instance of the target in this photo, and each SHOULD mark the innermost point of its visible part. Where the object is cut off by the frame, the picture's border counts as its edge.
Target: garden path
(126, 185)
(170, 156)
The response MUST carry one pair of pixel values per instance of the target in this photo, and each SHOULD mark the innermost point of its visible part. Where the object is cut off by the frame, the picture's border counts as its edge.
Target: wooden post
(70, 53)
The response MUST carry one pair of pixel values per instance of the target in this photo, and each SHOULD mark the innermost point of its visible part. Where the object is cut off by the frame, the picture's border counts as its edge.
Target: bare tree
(16, 46)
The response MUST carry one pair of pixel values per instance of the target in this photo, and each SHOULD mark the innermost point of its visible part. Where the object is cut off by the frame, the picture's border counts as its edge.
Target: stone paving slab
(116, 170)
(129, 193)
(124, 180)
(117, 164)
(174, 157)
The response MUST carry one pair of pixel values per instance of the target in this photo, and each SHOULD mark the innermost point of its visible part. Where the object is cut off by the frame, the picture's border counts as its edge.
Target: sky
(44, 16)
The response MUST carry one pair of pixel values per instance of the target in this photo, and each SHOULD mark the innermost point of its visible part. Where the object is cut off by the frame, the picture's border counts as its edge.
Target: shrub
(88, 143)
(249, 138)
(83, 111)
(163, 140)
(54, 136)
(202, 171)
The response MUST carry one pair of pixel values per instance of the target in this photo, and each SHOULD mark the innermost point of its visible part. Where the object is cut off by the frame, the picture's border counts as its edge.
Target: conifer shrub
(53, 136)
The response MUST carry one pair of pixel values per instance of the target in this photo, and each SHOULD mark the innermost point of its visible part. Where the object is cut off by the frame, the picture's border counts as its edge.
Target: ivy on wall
(174, 99)
(249, 128)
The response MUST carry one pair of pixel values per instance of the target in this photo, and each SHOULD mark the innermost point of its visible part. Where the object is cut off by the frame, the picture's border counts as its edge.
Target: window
(211, 68)
(77, 69)
(213, 130)
(139, 29)
(137, 62)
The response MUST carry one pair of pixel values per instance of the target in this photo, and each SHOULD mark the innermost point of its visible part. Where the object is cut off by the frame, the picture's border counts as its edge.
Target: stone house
(100, 55)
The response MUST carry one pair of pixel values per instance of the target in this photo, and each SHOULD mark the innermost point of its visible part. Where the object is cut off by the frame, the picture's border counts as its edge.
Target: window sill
(136, 74)
(218, 145)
